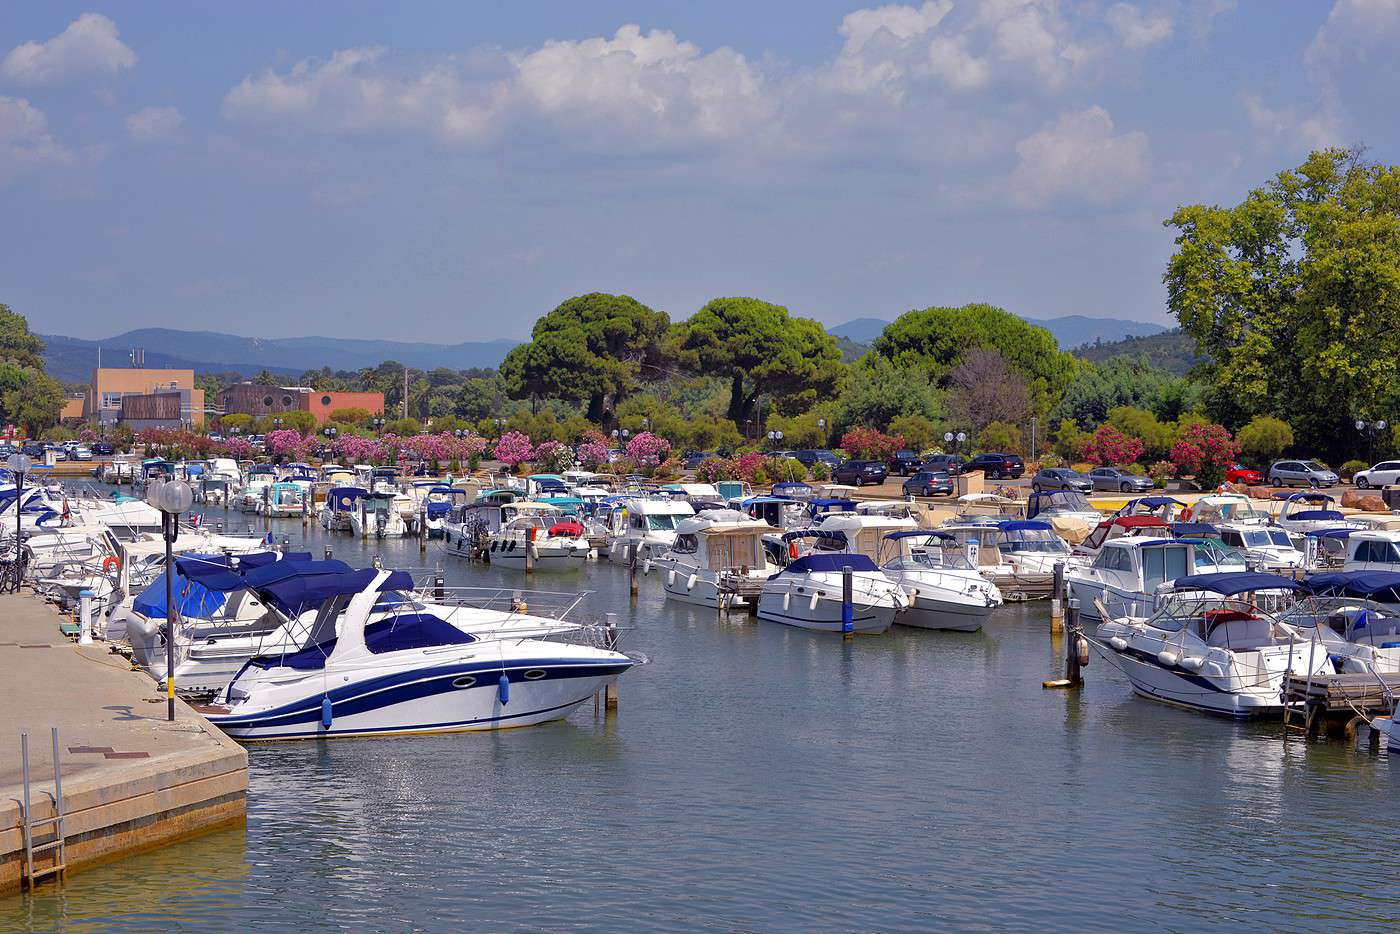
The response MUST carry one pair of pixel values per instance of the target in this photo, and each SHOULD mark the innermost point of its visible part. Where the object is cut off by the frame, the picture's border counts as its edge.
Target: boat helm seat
(1239, 634)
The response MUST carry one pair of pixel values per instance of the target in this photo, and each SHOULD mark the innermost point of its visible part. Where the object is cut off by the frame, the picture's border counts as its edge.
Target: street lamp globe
(1361, 424)
(1380, 425)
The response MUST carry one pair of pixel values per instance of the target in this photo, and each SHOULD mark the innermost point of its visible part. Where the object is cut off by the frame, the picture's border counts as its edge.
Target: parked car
(810, 457)
(1386, 473)
(997, 466)
(1118, 480)
(904, 463)
(1301, 473)
(695, 458)
(1060, 478)
(1239, 473)
(949, 463)
(859, 473)
(33, 449)
(80, 453)
(929, 483)
(103, 449)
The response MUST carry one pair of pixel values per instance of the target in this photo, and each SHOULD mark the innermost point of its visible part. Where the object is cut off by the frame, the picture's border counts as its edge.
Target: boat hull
(825, 616)
(932, 613)
(1180, 688)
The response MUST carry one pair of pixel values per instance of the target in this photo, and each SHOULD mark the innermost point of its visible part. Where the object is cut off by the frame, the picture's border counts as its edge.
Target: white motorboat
(539, 540)
(809, 592)
(342, 502)
(1309, 512)
(283, 500)
(1265, 547)
(945, 591)
(1207, 649)
(1127, 574)
(646, 525)
(1220, 509)
(717, 559)
(1026, 571)
(378, 516)
(408, 672)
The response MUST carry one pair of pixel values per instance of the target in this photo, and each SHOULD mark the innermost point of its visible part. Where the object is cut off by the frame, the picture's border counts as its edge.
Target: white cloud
(1138, 29)
(1315, 130)
(152, 124)
(25, 140)
(1353, 60)
(1079, 158)
(89, 44)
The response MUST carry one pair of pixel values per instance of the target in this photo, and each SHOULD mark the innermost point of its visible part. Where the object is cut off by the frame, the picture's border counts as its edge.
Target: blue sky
(452, 171)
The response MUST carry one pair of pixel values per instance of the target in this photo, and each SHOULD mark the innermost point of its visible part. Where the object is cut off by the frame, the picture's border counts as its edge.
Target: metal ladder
(60, 862)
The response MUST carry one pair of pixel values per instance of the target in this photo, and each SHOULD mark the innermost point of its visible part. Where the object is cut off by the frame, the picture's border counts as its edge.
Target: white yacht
(1307, 512)
(808, 593)
(1265, 547)
(342, 502)
(540, 539)
(716, 560)
(945, 591)
(647, 524)
(378, 516)
(1127, 573)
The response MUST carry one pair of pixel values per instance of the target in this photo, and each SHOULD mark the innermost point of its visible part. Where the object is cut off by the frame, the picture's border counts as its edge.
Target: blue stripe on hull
(446, 726)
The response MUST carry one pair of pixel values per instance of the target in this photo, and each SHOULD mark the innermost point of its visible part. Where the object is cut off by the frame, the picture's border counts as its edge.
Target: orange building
(73, 408)
(257, 400)
(109, 384)
(322, 404)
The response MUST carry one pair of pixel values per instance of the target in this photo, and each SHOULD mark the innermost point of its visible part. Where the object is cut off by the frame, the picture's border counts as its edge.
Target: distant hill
(1069, 331)
(1172, 351)
(851, 351)
(72, 359)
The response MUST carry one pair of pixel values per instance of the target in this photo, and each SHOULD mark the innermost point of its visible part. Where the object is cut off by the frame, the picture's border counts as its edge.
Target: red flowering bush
(1110, 447)
(870, 444)
(1205, 451)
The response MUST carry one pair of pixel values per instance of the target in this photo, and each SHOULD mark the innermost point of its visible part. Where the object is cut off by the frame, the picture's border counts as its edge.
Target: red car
(1239, 473)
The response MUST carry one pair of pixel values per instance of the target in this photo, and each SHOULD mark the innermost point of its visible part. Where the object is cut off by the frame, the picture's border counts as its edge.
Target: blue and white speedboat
(363, 673)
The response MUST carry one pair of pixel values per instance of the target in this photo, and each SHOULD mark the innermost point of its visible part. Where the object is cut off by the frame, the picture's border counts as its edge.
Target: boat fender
(690, 582)
(1212, 670)
(646, 566)
(1168, 659)
(503, 689)
(1081, 647)
(326, 713)
(671, 578)
(1193, 662)
(812, 605)
(1117, 643)
(787, 601)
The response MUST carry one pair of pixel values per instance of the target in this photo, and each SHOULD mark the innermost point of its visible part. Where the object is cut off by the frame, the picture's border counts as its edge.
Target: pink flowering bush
(593, 449)
(287, 443)
(554, 457)
(356, 450)
(87, 436)
(713, 469)
(1205, 451)
(237, 448)
(748, 467)
(647, 449)
(869, 443)
(1110, 447)
(513, 449)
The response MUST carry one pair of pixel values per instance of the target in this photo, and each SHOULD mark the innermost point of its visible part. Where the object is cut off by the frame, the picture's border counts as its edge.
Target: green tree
(876, 392)
(761, 350)
(936, 340)
(596, 348)
(478, 397)
(29, 398)
(917, 431)
(267, 378)
(17, 344)
(1156, 437)
(1000, 436)
(1119, 381)
(1265, 438)
(1294, 296)
(238, 420)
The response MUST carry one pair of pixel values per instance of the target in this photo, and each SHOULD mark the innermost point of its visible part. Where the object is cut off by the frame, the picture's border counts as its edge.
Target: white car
(1386, 473)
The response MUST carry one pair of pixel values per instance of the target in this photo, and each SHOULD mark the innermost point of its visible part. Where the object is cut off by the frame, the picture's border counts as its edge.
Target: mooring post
(1057, 596)
(423, 530)
(632, 569)
(1075, 647)
(610, 689)
(530, 550)
(328, 552)
(848, 604)
(85, 617)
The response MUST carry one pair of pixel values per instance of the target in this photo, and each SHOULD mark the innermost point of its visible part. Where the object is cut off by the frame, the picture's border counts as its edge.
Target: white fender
(671, 578)
(690, 582)
(1117, 643)
(787, 600)
(812, 606)
(1193, 662)
(1168, 658)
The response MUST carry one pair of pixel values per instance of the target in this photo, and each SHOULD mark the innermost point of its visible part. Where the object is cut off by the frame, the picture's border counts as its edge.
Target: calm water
(759, 778)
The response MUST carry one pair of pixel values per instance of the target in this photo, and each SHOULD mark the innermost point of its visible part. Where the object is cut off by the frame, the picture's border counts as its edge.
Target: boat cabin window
(1114, 559)
(1377, 552)
(686, 544)
(664, 523)
(1160, 565)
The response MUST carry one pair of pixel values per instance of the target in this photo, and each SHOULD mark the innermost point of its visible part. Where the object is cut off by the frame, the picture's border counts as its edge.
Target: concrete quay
(131, 779)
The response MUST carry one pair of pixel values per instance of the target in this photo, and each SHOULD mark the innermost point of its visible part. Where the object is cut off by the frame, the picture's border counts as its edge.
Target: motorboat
(1302, 513)
(538, 539)
(1220, 509)
(1166, 508)
(1372, 550)
(1027, 570)
(1116, 527)
(405, 672)
(1356, 616)
(1265, 547)
(644, 526)
(1069, 512)
(378, 516)
(212, 491)
(342, 502)
(808, 592)
(284, 500)
(1209, 645)
(1127, 574)
(717, 560)
(945, 591)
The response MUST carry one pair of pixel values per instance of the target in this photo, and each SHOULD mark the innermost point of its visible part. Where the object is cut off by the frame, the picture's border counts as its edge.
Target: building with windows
(111, 385)
(257, 400)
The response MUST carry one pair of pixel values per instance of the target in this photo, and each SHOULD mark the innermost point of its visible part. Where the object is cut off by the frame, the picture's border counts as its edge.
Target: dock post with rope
(1076, 651)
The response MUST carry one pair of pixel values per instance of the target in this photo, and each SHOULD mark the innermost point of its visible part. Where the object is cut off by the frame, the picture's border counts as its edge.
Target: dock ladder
(60, 862)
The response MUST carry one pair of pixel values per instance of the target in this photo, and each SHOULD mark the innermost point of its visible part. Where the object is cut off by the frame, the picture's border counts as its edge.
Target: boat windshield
(1067, 501)
(943, 559)
(663, 523)
(1263, 538)
(1211, 553)
(1035, 541)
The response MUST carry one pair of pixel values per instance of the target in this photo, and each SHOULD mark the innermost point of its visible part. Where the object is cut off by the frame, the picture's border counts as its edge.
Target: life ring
(792, 550)
(111, 563)
(1186, 514)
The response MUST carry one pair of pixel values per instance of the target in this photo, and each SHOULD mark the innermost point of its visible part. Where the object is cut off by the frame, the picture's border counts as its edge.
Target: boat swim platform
(1337, 704)
(131, 779)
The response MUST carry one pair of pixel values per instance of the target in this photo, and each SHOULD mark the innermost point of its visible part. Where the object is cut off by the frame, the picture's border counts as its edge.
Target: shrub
(554, 457)
(1265, 438)
(1001, 436)
(1205, 450)
(647, 449)
(1351, 468)
(352, 416)
(1161, 472)
(513, 448)
(1051, 460)
(820, 471)
(869, 443)
(916, 431)
(1135, 469)
(1112, 448)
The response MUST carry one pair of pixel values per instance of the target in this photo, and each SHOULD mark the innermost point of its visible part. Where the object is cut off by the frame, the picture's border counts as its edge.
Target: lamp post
(378, 424)
(774, 437)
(954, 439)
(19, 464)
(171, 497)
(1371, 429)
(500, 423)
(821, 426)
(646, 424)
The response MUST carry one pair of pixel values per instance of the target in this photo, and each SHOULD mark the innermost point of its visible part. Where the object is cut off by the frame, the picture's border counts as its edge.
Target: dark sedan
(1060, 478)
(904, 462)
(859, 473)
(1118, 480)
(929, 483)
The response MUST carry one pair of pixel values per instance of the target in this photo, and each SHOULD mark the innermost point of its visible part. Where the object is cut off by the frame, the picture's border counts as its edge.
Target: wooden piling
(1057, 597)
(632, 569)
(610, 690)
(1074, 645)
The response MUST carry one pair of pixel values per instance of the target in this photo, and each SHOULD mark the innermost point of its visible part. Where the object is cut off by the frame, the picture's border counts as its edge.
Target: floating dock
(131, 779)
(1337, 704)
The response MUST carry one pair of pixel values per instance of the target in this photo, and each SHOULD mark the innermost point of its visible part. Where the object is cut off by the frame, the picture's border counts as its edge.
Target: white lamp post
(171, 497)
(19, 464)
